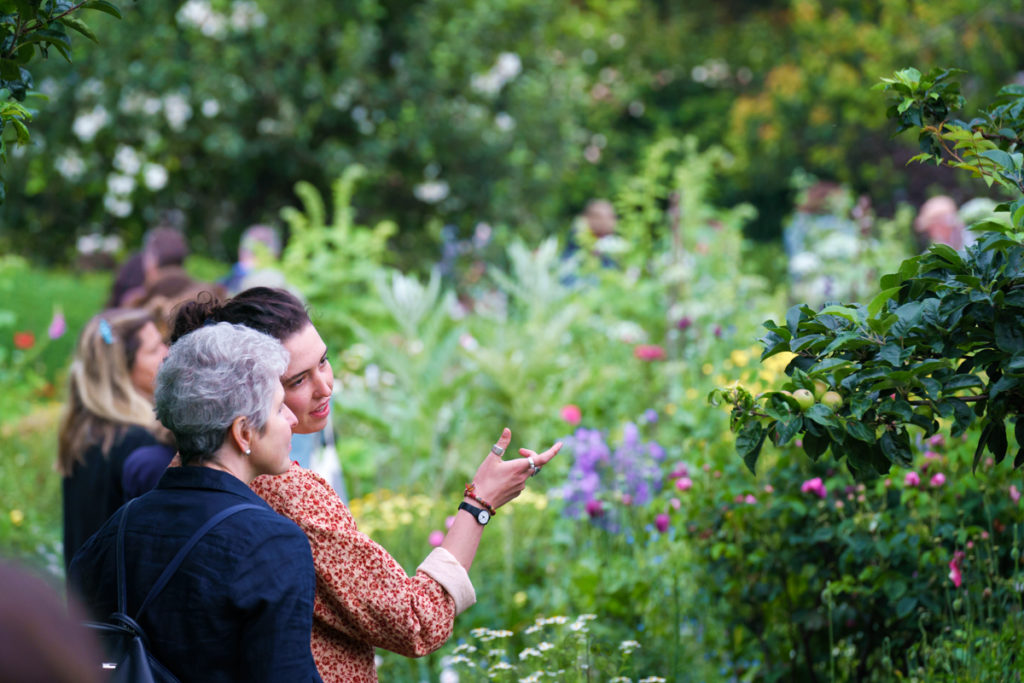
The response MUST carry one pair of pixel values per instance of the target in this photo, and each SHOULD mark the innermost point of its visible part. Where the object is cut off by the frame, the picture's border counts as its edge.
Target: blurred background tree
(510, 113)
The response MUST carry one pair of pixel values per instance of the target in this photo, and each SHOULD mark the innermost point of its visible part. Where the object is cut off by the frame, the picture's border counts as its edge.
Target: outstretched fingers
(541, 459)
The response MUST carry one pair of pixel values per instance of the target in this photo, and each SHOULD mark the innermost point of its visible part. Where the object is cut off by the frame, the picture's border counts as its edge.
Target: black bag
(128, 659)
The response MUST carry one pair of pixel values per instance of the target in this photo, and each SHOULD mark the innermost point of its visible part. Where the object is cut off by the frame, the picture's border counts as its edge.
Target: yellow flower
(707, 368)
(739, 358)
(670, 408)
(17, 517)
(519, 598)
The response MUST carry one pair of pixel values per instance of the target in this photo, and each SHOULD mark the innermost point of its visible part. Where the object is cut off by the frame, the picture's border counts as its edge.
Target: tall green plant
(332, 260)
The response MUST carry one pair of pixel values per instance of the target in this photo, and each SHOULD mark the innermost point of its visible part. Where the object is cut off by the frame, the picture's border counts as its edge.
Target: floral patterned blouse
(364, 598)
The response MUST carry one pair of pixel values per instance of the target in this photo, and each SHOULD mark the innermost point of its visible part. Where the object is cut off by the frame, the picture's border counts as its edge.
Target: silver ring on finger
(533, 466)
(497, 450)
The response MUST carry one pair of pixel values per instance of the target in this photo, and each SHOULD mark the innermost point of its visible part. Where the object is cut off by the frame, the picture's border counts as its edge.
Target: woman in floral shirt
(364, 598)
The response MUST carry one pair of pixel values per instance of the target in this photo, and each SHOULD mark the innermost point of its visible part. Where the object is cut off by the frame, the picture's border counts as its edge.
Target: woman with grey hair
(240, 606)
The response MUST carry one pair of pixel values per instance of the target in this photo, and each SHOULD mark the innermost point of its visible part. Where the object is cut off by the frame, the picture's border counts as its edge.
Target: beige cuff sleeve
(442, 567)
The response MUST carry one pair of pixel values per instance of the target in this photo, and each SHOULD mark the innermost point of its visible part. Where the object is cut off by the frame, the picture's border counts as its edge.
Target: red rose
(24, 340)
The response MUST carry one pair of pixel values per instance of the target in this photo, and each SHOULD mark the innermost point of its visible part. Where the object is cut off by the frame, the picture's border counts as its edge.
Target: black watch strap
(480, 515)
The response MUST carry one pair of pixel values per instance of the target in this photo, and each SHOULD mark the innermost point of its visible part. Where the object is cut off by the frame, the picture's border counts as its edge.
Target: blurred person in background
(259, 247)
(108, 420)
(939, 222)
(364, 598)
(41, 639)
(163, 247)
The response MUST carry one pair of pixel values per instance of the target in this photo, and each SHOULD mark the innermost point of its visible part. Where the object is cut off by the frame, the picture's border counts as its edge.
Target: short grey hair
(212, 376)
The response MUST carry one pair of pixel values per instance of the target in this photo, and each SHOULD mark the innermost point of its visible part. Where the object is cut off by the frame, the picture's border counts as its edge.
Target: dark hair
(167, 245)
(276, 312)
(131, 275)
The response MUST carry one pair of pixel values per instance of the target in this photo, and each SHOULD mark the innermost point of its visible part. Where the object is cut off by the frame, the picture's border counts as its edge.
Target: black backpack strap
(173, 565)
(122, 600)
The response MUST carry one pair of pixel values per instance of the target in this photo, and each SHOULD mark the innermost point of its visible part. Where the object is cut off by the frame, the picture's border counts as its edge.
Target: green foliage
(30, 492)
(29, 29)
(940, 340)
(334, 263)
(986, 146)
(817, 576)
(32, 298)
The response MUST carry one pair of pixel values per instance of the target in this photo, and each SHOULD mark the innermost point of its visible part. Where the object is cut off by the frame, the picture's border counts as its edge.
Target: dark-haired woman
(364, 598)
(110, 446)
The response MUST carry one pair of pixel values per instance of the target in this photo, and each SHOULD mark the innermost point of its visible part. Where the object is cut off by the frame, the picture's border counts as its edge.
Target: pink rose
(814, 486)
(684, 483)
(649, 352)
(750, 499)
(912, 479)
(571, 413)
(680, 470)
(937, 480)
(954, 568)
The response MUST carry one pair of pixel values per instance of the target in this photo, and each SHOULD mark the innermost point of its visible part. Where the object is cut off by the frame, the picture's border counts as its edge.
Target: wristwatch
(481, 516)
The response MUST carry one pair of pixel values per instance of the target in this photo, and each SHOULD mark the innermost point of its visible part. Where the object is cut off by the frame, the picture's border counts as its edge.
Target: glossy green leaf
(103, 6)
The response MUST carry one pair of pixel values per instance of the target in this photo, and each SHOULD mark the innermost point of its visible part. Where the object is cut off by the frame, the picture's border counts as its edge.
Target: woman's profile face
(270, 448)
(308, 381)
(151, 353)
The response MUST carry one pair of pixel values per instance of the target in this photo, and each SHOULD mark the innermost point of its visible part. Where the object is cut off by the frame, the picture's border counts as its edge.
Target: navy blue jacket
(240, 607)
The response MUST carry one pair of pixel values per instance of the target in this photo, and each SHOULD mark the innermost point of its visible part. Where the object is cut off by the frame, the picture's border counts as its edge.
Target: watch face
(483, 516)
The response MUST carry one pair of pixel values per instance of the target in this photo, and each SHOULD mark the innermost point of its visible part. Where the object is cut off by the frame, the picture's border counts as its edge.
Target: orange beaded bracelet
(471, 494)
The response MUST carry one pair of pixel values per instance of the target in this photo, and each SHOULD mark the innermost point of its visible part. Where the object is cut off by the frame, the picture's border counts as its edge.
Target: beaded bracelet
(471, 494)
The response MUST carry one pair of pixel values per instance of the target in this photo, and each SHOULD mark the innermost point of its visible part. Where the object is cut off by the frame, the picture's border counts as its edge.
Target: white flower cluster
(432, 191)
(580, 625)
(486, 635)
(128, 164)
(88, 124)
(628, 646)
(711, 72)
(70, 165)
(507, 67)
(177, 111)
(95, 242)
(200, 15)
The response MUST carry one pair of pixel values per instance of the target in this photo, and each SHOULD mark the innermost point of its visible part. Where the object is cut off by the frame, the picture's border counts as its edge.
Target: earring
(248, 451)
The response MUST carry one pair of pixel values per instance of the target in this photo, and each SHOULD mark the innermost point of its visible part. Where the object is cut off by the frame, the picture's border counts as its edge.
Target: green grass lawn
(30, 497)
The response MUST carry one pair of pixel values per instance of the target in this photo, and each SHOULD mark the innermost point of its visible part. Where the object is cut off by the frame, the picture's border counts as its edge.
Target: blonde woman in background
(108, 419)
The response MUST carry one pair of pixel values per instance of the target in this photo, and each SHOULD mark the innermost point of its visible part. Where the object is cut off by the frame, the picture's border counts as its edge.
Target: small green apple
(832, 399)
(820, 387)
(804, 398)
